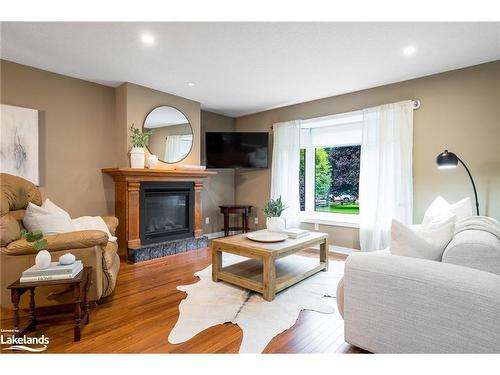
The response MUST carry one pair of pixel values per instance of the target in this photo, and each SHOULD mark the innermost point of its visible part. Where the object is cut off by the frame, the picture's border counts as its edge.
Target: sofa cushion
(475, 249)
(16, 193)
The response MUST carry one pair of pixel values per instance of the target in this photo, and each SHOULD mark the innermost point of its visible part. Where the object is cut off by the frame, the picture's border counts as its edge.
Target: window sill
(337, 220)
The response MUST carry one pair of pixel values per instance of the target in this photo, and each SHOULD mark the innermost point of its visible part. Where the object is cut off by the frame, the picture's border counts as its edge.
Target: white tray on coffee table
(267, 236)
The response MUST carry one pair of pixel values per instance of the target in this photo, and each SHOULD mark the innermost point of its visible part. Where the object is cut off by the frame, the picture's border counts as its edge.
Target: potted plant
(139, 140)
(273, 210)
(43, 258)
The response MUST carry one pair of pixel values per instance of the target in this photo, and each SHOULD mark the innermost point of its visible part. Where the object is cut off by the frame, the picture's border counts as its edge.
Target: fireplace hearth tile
(180, 246)
(153, 251)
(191, 244)
(201, 242)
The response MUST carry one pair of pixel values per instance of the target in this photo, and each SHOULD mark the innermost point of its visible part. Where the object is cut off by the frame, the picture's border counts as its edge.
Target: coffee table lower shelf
(249, 274)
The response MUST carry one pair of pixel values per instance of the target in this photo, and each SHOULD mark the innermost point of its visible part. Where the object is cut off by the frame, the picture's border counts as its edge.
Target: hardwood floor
(144, 308)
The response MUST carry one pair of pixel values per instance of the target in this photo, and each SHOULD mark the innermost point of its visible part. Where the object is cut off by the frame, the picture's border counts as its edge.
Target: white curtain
(285, 169)
(385, 181)
(177, 147)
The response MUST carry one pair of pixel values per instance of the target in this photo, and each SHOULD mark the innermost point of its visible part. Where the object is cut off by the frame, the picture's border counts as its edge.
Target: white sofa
(396, 304)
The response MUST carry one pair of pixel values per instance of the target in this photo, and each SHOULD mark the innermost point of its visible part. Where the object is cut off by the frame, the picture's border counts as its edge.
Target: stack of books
(55, 271)
(295, 232)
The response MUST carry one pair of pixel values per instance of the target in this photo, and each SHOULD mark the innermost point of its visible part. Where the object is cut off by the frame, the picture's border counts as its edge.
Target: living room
(164, 190)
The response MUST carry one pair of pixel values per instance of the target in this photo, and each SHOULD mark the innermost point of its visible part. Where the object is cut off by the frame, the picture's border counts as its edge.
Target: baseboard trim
(342, 250)
(213, 235)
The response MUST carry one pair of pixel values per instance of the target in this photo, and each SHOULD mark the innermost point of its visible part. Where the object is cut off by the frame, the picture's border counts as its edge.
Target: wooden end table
(80, 285)
(242, 210)
(260, 273)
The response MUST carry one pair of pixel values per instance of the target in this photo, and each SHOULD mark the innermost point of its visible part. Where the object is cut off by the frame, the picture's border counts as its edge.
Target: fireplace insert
(166, 211)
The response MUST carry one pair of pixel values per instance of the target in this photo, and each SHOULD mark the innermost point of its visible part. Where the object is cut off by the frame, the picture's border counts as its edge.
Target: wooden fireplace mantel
(127, 199)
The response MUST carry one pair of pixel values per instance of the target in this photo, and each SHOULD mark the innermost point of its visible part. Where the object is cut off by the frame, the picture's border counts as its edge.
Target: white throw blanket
(92, 223)
(484, 223)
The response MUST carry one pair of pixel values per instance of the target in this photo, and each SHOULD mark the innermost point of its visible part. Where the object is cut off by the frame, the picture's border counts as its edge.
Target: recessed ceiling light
(191, 84)
(410, 50)
(148, 39)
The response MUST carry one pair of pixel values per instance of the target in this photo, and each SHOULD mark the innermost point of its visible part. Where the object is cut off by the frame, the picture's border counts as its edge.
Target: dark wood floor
(145, 307)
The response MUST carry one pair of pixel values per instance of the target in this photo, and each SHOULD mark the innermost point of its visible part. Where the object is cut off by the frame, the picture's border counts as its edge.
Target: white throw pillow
(40, 218)
(52, 219)
(427, 242)
(439, 207)
(55, 209)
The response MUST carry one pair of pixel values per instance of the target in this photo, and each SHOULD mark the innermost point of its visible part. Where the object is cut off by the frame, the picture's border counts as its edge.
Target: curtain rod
(416, 105)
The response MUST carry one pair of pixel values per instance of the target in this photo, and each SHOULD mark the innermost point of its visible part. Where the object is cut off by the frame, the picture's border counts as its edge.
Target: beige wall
(459, 111)
(219, 189)
(138, 102)
(83, 128)
(76, 131)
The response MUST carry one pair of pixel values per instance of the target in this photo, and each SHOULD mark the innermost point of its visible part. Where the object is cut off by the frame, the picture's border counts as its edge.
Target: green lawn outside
(340, 209)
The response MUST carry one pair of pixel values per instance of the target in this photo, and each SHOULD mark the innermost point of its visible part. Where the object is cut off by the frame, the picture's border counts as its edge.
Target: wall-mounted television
(237, 150)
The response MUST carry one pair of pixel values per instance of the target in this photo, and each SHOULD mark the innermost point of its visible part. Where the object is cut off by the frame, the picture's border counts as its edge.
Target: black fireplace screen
(166, 211)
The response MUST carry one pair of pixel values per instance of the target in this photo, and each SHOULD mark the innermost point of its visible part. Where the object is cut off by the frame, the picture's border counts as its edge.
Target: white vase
(137, 157)
(152, 161)
(42, 259)
(275, 224)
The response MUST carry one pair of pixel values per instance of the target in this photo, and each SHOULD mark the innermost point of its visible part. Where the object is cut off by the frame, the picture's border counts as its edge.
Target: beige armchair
(16, 254)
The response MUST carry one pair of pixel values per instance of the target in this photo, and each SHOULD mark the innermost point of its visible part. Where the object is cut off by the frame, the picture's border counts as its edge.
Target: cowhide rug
(209, 303)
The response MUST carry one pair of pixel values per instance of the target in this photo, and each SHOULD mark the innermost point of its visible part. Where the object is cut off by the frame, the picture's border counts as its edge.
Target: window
(329, 165)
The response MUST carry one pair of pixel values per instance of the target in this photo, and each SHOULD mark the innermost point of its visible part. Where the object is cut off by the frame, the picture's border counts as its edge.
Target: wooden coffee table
(261, 273)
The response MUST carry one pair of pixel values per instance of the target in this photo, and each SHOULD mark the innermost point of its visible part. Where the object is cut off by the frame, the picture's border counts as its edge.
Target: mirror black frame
(190, 126)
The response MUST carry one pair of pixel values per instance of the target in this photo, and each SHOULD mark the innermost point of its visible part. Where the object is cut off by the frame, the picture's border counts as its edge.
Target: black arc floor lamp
(447, 160)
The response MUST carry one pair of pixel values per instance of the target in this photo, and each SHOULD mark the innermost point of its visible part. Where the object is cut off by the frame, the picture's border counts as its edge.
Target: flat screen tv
(237, 150)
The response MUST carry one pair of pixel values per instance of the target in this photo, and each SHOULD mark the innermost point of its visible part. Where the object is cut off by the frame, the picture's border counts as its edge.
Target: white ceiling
(241, 68)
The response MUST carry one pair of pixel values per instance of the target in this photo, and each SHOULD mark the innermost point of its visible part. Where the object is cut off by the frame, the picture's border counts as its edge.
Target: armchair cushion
(62, 241)
(10, 226)
(16, 193)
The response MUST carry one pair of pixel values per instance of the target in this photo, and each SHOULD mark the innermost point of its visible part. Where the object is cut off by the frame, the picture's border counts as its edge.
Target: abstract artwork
(19, 142)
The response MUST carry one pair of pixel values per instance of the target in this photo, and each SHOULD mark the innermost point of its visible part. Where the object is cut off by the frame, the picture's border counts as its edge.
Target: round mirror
(172, 135)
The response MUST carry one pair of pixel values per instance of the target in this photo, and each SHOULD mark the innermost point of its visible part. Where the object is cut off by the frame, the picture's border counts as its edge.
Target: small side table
(80, 285)
(242, 210)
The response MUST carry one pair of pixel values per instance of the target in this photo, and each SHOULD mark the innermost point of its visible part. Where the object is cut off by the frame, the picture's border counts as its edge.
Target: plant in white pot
(42, 259)
(273, 210)
(139, 140)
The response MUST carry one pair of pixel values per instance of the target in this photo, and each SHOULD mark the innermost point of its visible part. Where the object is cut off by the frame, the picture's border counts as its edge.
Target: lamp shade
(446, 159)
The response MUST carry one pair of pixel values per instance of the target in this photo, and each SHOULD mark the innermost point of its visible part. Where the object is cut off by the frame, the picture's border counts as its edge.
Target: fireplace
(166, 211)
(159, 211)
